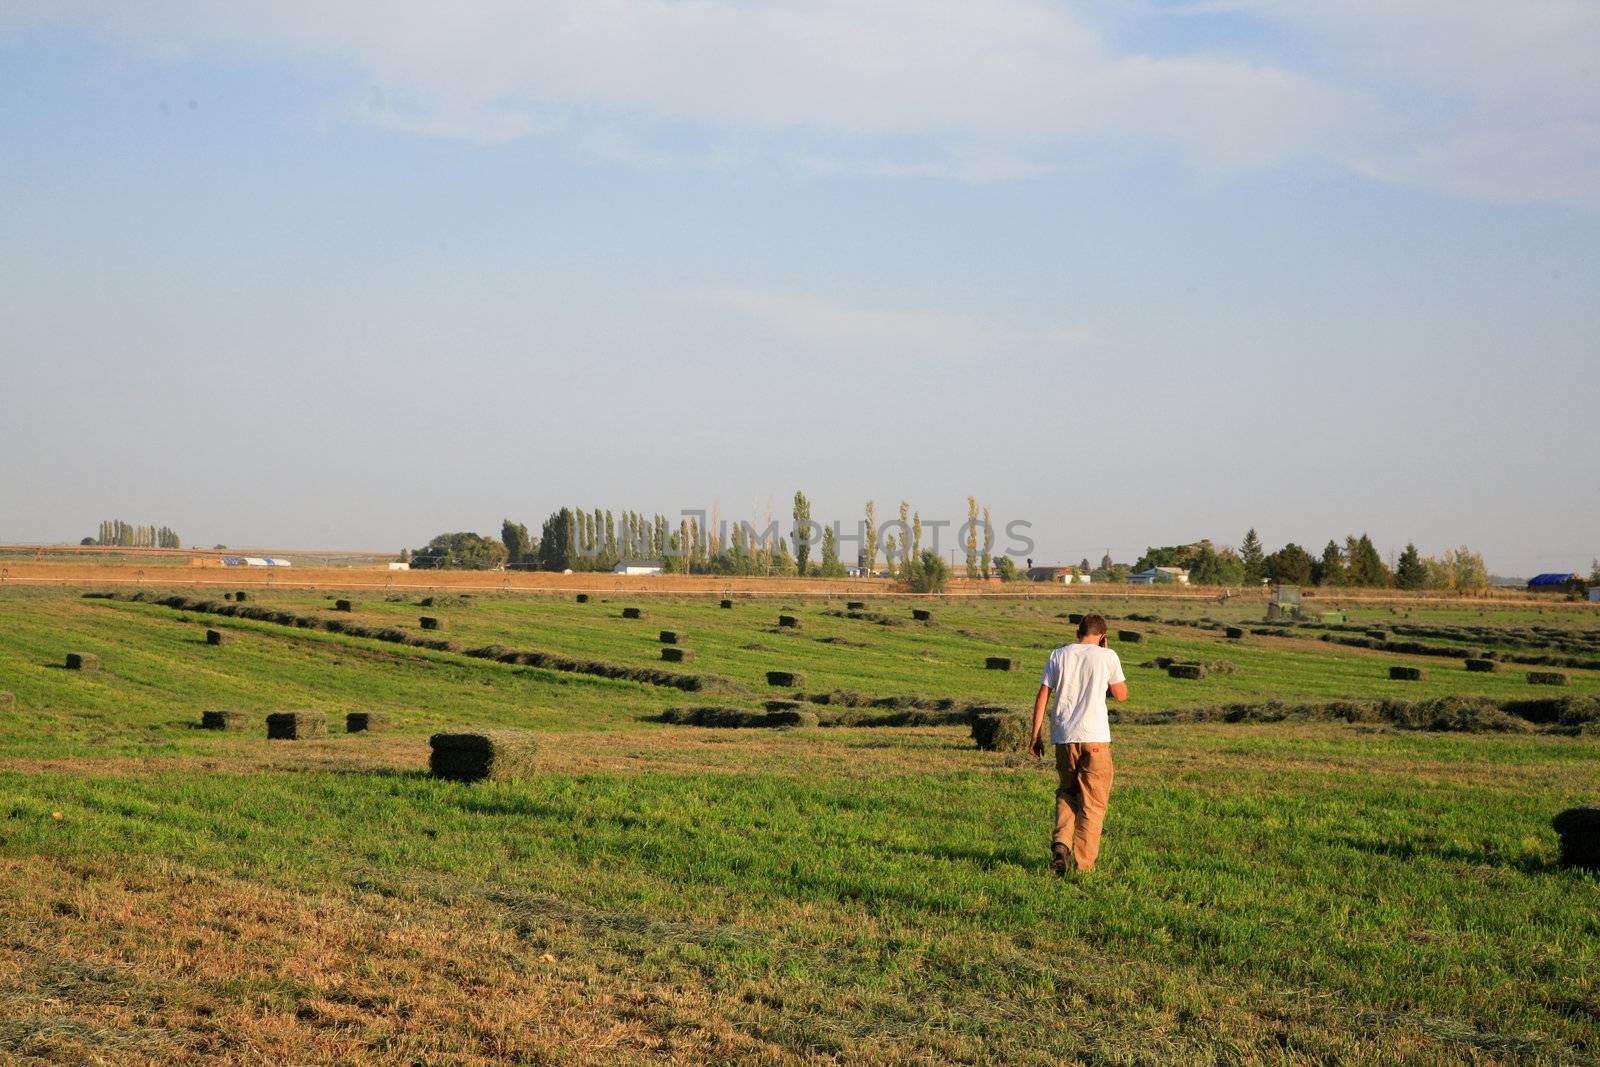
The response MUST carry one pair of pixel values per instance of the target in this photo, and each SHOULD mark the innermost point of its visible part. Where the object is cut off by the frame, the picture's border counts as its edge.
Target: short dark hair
(1092, 624)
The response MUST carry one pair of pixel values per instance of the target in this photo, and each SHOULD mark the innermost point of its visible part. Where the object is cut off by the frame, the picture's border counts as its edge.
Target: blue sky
(1136, 273)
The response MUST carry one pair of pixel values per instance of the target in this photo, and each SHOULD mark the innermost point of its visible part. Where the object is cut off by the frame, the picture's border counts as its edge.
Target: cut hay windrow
(82, 661)
(343, 605)
(1560, 715)
(740, 718)
(849, 698)
(1191, 671)
(672, 637)
(360, 722)
(633, 613)
(215, 637)
(226, 720)
(1378, 635)
(866, 616)
(1482, 666)
(1546, 678)
(429, 622)
(674, 654)
(1579, 831)
(1407, 674)
(790, 621)
(296, 725)
(997, 663)
(487, 754)
(785, 678)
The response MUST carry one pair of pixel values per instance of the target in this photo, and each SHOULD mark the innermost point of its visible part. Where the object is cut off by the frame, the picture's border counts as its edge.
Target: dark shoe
(1060, 858)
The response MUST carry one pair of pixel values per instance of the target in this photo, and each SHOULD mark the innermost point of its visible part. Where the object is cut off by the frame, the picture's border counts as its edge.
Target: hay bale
(1132, 637)
(725, 604)
(1407, 674)
(1074, 617)
(1235, 632)
(1546, 678)
(671, 637)
(855, 605)
(472, 757)
(791, 621)
(215, 637)
(673, 654)
(343, 605)
(922, 614)
(1579, 829)
(296, 725)
(240, 595)
(788, 679)
(997, 663)
(224, 720)
(364, 722)
(582, 598)
(1001, 731)
(1192, 671)
(227, 596)
(633, 613)
(425, 602)
(430, 623)
(1482, 666)
(82, 661)
(8, 702)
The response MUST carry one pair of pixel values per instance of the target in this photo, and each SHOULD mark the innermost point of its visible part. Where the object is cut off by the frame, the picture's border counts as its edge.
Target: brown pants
(1085, 772)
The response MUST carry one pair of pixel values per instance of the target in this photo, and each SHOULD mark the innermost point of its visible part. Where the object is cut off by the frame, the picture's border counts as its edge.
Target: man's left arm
(1040, 702)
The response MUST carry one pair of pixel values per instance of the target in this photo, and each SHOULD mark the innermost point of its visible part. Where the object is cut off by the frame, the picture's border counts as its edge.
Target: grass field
(1291, 892)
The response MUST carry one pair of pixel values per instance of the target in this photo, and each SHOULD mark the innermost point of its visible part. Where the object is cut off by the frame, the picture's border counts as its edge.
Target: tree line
(1355, 563)
(598, 539)
(123, 535)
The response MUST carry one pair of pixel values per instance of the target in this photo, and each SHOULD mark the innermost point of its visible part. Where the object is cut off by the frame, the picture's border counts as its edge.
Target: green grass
(1267, 893)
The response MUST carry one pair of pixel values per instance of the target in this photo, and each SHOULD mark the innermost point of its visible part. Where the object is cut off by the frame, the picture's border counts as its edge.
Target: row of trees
(116, 532)
(581, 539)
(1355, 563)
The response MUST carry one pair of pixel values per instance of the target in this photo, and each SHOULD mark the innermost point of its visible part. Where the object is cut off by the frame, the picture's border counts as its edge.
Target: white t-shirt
(1078, 675)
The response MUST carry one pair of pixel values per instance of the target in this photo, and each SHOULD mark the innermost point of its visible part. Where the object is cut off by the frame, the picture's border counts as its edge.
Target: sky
(314, 276)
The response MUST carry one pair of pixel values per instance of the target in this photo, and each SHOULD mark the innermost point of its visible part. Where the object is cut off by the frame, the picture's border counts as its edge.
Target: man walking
(1075, 682)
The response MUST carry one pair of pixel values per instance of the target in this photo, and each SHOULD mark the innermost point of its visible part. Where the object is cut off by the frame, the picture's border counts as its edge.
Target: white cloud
(835, 329)
(1477, 98)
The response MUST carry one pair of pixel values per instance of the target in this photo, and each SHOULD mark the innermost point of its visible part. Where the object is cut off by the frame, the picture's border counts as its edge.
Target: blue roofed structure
(1551, 582)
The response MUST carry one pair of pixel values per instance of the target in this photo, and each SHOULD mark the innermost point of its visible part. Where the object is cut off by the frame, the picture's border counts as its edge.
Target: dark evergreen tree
(1409, 571)
(1253, 557)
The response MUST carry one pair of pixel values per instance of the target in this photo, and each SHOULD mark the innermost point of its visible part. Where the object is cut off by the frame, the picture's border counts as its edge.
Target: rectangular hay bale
(1235, 632)
(674, 654)
(1546, 678)
(82, 661)
(725, 604)
(430, 623)
(670, 637)
(1192, 671)
(240, 595)
(785, 678)
(215, 637)
(1482, 666)
(296, 725)
(1407, 674)
(360, 722)
(855, 605)
(582, 598)
(343, 605)
(790, 621)
(633, 613)
(922, 614)
(224, 720)
(1132, 637)
(997, 663)
(489, 754)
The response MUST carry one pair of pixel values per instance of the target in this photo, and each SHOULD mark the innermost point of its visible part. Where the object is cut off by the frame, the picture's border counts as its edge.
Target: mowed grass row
(1316, 897)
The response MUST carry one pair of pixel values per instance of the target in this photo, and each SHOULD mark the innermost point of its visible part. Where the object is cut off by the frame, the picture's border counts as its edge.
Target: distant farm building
(637, 566)
(394, 566)
(254, 561)
(1049, 574)
(1552, 583)
(1153, 575)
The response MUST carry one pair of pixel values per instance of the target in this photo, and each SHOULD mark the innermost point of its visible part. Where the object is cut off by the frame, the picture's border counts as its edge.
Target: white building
(637, 566)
